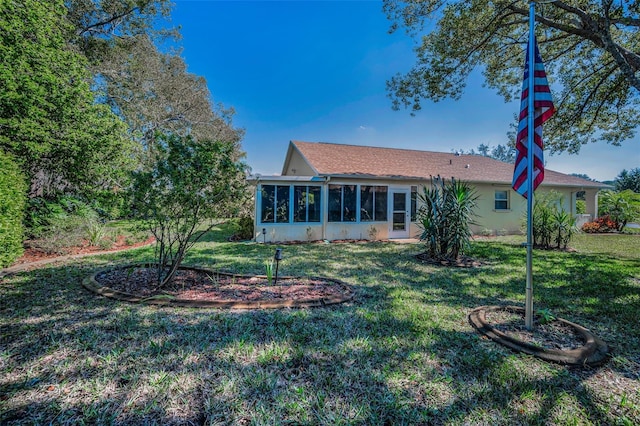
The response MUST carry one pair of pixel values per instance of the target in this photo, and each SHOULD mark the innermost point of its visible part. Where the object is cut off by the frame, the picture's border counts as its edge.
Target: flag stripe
(543, 110)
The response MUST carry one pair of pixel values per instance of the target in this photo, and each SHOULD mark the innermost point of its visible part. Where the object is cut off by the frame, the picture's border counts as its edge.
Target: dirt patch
(459, 262)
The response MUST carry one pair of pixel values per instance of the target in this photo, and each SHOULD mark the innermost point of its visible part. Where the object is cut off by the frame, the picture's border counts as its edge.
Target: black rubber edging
(594, 352)
(91, 284)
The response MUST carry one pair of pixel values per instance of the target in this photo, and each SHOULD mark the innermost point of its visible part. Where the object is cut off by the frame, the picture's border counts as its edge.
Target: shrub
(601, 224)
(12, 204)
(551, 222)
(445, 217)
(63, 213)
(243, 229)
(190, 184)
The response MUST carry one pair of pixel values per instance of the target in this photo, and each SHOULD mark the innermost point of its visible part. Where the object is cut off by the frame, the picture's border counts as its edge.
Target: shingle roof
(354, 160)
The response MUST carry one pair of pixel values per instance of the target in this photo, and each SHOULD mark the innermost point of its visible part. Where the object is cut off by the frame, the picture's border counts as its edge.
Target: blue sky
(316, 71)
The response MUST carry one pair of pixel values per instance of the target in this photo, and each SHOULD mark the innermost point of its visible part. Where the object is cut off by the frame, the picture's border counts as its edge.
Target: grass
(402, 353)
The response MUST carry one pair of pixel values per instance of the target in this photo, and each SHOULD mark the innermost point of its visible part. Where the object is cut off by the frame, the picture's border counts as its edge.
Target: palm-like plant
(551, 222)
(622, 207)
(446, 212)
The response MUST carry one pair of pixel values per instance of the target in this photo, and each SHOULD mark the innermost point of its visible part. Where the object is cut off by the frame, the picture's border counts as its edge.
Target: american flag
(543, 110)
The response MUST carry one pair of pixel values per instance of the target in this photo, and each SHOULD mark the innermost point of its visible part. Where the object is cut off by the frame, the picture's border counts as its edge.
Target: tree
(582, 176)
(591, 51)
(504, 153)
(628, 180)
(12, 204)
(48, 118)
(191, 184)
(95, 20)
(621, 207)
(153, 92)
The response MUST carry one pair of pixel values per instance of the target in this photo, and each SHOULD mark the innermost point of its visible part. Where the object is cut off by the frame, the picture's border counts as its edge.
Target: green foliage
(551, 222)
(12, 204)
(243, 229)
(504, 153)
(190, 185)
(581, 207)
(446, 212)
(621, 207)
(48, 117)
(50, 215)
(545, 316)
(268, 266)
(590, 50)
(628, 180)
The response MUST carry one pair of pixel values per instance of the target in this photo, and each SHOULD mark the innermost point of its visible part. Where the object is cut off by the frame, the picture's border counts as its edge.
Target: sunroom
(320, 208)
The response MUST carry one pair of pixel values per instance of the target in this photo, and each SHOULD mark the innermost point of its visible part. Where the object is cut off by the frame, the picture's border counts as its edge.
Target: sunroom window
(306, 200)
(275, 204)
(373, 203)
(342, 203)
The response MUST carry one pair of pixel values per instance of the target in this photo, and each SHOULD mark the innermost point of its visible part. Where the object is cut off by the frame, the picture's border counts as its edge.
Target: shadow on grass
(402, 353)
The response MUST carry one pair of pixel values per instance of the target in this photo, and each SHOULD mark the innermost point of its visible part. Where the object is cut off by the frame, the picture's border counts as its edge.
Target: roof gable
(331, 159)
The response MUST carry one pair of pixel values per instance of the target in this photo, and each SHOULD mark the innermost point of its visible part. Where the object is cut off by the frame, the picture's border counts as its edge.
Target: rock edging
(594, 352)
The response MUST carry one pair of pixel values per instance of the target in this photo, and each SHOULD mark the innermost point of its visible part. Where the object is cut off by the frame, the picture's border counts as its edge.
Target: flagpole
(528, 318)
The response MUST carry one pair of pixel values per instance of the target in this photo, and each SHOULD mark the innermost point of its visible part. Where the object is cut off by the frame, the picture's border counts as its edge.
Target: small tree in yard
(621, 207)
(446, 213)
(190, 185)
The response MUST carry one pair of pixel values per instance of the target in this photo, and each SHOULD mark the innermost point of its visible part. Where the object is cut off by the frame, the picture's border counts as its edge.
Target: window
(501, 201)
(414, 203)
(306, 200)
(282, 201)
(342, 203)
(275, 204)
(268, 203)
(373, 203)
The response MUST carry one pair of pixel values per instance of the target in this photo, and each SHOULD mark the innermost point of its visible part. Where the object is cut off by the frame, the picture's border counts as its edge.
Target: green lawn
(401, 353)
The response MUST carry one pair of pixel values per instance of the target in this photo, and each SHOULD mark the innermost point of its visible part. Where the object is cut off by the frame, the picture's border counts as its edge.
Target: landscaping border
(91, 284)
(594, 352)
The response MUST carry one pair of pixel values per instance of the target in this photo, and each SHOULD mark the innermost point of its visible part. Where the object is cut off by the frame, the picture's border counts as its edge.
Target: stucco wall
(298, 166)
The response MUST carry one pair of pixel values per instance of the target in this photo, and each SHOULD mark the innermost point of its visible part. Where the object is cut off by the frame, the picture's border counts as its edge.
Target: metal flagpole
(528, 317)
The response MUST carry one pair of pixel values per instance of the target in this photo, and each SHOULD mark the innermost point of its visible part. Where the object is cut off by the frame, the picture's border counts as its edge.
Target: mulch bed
(202, 285)
(557, 340)
(34, 254)
(552, 335)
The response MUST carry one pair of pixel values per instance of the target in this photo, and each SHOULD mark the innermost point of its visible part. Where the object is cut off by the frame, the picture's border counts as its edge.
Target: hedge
(13, 190)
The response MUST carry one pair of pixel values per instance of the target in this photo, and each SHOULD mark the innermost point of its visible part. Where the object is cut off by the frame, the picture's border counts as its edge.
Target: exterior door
(400, 214)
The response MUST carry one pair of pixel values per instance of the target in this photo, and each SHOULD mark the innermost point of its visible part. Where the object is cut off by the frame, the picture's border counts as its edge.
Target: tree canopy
(48, 118)
(628, 180)
(591, 50)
